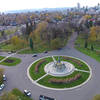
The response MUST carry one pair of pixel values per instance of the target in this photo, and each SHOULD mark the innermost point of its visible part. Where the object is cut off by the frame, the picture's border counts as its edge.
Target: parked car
(4, 78)
(2, 86)
(59, 48)
(27, 93)
(35, 55)
(42, 97)
(45, 51)
(9, 52)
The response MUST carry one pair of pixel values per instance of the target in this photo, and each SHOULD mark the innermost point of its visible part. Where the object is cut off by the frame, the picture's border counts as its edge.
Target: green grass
(19, 94)
(36, 50)
(16, 61)
(41, 72)
(1, 57)
(6, 47)
(45, 82)
(80, 40)
(83, 67)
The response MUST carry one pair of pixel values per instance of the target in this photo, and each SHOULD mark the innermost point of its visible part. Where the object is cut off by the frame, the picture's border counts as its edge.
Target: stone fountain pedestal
(61, 69)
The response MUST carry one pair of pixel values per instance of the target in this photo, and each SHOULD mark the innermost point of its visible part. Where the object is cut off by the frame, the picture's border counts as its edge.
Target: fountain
(59, 68)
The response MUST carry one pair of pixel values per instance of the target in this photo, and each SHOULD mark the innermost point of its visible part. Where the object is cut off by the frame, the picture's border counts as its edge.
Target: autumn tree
(86, 17)
(40, 32)
(92, 36)
(97, 97)
(15, 40)
(8, 96)
(1, 75)
(18, 42)
(56, 43)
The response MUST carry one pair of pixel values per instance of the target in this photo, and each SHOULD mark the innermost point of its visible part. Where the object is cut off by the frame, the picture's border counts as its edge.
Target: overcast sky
(6, 5)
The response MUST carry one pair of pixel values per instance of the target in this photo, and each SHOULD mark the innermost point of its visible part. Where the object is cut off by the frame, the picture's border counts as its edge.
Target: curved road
(17, 76)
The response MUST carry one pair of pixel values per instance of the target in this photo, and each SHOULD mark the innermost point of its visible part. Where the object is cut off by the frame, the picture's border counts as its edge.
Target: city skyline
(6, 5)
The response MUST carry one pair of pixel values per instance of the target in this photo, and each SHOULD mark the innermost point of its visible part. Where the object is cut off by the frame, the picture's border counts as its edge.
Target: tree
(17, 42)
(92, 36)
(97, 97)
(86, 44)
(1, 75)
(8, 96)
(31, 43)
(56, 43)
(86, 17)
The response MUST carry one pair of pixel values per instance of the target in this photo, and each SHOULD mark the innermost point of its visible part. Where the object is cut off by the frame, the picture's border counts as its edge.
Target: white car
(2, 86)
(4, 78)
(9, 52)
(27, 93)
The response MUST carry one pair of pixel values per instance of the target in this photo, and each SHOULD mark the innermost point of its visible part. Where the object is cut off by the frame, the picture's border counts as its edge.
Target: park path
(71, 41)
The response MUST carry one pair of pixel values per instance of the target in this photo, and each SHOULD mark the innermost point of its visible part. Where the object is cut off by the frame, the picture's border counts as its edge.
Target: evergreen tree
(86, 44)
(31, 43)
(92, 48)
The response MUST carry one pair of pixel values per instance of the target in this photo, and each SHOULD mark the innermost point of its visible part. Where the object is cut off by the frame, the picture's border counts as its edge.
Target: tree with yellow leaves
(87, 17)
(93, 36)
(17, 42)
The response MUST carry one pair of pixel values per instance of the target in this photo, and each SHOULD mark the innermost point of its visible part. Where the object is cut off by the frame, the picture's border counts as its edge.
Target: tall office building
(78, 5)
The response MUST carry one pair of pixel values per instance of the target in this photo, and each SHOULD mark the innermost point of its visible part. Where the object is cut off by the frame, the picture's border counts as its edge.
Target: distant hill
(41, 9)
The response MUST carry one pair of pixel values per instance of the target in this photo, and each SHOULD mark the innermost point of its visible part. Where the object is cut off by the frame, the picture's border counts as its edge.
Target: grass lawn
(45, 82)
(83, 67)
(1, 57)
(9, 47)
(6, 47)
(14, 63)
(80, 41)
(29, 51)
(19, 94)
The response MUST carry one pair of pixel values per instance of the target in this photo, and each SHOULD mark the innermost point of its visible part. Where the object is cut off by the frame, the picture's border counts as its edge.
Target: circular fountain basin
(50, 69)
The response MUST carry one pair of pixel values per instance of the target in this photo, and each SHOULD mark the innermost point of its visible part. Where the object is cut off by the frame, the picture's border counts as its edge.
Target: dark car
(59, 48)
(27, 93)
(45, 51)
(9, 52)
(42, 97)
(35, 55)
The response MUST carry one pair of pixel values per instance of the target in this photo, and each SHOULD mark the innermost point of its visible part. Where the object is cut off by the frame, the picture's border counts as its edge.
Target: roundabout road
(17, 76)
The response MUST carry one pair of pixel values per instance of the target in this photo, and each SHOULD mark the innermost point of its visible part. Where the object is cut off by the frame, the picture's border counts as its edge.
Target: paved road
(17, 76)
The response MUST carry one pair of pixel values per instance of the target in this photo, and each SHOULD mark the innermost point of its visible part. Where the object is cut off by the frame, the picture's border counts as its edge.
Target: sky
(6, 5)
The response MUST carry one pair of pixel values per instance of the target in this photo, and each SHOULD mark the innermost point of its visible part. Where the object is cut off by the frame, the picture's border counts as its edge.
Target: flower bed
(9, 61)
(38, 65)
(74, 60)
(65, 81)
